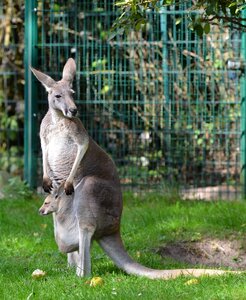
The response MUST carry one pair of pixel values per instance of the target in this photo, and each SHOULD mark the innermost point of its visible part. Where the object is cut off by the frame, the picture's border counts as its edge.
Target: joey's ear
(60, 190)
(46, 80)
(69, 71)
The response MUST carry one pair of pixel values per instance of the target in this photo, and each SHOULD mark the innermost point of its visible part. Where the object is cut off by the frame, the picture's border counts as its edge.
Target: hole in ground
(208, 252)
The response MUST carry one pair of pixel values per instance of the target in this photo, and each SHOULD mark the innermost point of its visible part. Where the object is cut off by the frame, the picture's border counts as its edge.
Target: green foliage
(17, 189)
(227, 13)
(11, 159)
(201, 104)
(11, 86)
(10, 155)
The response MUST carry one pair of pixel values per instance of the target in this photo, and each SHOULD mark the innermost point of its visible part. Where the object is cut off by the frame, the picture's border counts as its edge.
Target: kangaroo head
(50, 205)
(60, 93)
(52, 201)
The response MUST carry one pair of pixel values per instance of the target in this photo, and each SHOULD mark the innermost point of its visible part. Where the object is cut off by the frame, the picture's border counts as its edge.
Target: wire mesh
(161, 101)
(11, 88)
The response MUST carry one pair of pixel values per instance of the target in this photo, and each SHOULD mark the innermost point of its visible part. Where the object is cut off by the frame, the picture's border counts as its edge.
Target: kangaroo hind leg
(84, 258)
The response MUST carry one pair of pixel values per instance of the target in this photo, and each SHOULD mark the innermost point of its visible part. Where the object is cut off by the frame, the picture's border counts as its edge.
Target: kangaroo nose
(73, 111)
(41, 211)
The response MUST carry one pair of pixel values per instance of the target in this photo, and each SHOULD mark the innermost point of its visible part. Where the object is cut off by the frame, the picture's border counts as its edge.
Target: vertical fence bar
(30, 127)
(167, 104)
(243, 115)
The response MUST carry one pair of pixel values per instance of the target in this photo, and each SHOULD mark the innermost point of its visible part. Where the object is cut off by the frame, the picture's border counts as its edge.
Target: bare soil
(208, 252)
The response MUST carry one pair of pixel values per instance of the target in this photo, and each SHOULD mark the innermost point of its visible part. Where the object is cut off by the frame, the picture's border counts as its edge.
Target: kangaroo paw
(47, 184)
(68, 187)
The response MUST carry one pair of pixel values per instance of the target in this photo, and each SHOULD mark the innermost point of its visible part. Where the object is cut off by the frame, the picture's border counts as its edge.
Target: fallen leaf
(37, 274)
(95, 281)
(44, 226)
(191, 281)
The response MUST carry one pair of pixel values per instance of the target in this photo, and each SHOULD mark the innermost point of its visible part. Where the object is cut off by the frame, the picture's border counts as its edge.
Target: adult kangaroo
(64, 140)
(93, 211)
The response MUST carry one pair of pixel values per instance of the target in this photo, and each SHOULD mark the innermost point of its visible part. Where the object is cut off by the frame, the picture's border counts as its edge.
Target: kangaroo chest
(60, 148)
(57, 138)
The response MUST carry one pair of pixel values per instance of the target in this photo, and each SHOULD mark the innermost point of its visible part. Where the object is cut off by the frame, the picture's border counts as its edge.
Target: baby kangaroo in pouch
(86, 198)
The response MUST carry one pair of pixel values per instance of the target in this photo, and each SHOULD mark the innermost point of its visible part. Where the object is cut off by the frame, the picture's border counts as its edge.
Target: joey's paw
(68, 187)
(47, 184)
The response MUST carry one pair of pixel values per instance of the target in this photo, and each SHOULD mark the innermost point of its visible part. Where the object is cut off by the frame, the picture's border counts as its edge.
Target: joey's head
(52, 202)
(60, 93)
(49, 206)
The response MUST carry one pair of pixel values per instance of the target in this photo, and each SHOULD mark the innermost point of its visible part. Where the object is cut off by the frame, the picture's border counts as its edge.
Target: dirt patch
(209, 193)
(208, 252)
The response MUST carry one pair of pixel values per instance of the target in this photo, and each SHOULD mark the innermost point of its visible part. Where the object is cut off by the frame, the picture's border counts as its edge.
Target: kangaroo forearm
(80, 154)
(45, 165)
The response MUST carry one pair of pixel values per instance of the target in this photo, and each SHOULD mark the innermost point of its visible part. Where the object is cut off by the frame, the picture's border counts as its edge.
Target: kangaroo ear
(46, 80)
(69, 71)
(60, 190)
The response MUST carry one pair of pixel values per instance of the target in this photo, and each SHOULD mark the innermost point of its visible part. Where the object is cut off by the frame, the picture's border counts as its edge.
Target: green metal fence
(162, 102)
(11, 89)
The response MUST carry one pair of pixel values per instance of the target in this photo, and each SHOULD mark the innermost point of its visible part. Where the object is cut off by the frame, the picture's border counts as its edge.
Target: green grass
(27, 243)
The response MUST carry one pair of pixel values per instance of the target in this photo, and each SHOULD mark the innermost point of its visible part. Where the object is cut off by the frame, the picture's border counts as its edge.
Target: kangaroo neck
(56, 115)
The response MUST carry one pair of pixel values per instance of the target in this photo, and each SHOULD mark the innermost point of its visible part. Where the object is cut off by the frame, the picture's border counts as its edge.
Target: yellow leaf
(37, 274)
(191, 281)
(96, 281)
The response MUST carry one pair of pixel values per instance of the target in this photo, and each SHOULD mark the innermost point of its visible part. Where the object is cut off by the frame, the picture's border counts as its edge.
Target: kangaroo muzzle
(42, 211)
(73, 111)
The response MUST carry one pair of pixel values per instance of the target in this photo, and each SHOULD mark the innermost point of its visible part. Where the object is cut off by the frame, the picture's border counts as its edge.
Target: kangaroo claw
(47, 185)
(69, 189)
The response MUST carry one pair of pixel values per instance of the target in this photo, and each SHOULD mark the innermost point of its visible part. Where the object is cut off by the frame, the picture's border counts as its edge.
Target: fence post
(243, 115)
(167, 104)
(30, 124)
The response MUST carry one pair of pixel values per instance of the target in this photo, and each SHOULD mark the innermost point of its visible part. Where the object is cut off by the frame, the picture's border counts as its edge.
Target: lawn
(27, 243)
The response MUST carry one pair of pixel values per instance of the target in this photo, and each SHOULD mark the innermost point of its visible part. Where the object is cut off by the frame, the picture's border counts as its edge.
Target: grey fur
(93, 211)
(64, 140)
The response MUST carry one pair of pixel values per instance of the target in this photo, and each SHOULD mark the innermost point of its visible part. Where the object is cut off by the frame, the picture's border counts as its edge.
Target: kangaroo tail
(114, 248)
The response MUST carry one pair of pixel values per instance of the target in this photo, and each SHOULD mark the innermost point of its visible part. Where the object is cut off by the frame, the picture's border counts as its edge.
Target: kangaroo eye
(58, 96)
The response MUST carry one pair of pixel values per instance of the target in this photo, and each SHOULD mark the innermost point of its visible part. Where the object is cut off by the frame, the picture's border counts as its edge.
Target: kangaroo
(91, 211)
(64, 140)
(84, 218)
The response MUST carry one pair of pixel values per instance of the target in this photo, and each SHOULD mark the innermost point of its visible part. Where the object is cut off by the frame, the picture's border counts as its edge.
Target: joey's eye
(58, 96)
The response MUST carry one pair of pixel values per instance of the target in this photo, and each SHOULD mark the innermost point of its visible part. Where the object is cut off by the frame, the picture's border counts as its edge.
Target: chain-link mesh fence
(161, 101)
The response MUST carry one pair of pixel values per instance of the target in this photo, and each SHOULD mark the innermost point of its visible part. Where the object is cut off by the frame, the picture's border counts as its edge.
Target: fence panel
(11, 89)
(161, 101)
(204, 152)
